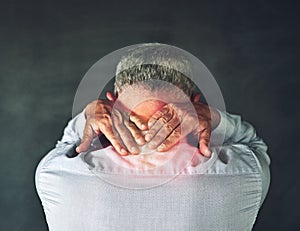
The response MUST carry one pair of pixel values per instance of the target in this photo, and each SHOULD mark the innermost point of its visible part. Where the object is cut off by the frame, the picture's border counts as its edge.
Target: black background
(251, 48)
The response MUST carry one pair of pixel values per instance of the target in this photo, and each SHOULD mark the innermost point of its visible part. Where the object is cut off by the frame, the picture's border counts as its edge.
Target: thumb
(196, 98)
(204, 142)
(110, 96)
(87, 139)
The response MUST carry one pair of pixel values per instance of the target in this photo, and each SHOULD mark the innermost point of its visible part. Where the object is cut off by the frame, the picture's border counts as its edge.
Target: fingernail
(123, 151)
(134, 150)
(140, 141)
(207, 153)
(143, 126)
(161, 147)
(152, 145)
(147, 137)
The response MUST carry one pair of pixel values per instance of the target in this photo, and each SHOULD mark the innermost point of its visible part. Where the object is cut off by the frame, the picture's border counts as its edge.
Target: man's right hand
(122, 134)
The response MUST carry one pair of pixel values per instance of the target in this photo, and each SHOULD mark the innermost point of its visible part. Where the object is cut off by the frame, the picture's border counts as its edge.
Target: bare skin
(101, 121)
(164, 126)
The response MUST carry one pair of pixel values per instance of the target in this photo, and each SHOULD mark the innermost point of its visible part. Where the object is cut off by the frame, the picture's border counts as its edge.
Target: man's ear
(111, 97)
(195, 97)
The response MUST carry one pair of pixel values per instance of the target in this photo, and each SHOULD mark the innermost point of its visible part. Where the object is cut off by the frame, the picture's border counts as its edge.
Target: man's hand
(100, 120)
(165, 125)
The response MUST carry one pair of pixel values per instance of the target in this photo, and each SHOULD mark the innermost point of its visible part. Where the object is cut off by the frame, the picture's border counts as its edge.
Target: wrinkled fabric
(177, 190)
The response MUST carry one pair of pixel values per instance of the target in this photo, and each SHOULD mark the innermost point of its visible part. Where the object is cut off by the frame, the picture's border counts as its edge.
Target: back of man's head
(154, 61)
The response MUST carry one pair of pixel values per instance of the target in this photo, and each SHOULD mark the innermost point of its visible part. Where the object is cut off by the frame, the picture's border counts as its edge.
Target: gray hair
(154, 61)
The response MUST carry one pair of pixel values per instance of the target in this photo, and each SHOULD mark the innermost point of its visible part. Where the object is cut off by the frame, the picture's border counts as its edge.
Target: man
(177, 189)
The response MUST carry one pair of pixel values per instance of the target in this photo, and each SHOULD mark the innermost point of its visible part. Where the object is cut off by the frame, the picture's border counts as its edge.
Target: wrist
(215, 118)
(89, 110)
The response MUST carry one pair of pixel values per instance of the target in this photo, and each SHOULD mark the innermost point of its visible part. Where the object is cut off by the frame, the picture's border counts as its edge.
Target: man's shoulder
(56, 165)
(235, 159)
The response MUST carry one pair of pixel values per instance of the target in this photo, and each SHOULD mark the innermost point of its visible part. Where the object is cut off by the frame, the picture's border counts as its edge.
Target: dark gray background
(251, 47)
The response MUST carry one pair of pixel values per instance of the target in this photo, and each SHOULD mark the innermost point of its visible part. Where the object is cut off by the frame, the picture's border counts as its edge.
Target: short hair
(154, 61)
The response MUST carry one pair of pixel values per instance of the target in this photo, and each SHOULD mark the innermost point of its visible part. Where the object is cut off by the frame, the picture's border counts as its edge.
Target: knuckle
(118, 123)
(131, 125)
(158, 114)
(102, 118)
(114, 140)
(138, 120)
(203, 126)
(127, 124)
(151, 120)
(205, 131)
(168, 127)
(102, 124)
(169, 142)
(137, 136)
(204, 139)
(176, 132)
(128, 142)
(175, 122)
(163, 120)
(90, 121)
(151, 132)
(165, 110)
(105, 128)
(159, 138)
(170, 115)
(85, 138)
(135, 132)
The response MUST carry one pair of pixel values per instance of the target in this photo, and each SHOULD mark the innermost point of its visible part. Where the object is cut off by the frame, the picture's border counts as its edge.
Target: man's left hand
(165, 125)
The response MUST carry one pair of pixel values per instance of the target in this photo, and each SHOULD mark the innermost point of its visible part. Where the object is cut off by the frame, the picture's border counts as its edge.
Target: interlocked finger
(157, 115)
(160, 123)
(171, 140)
(135, 132)
(138, 121)
(164, 132)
